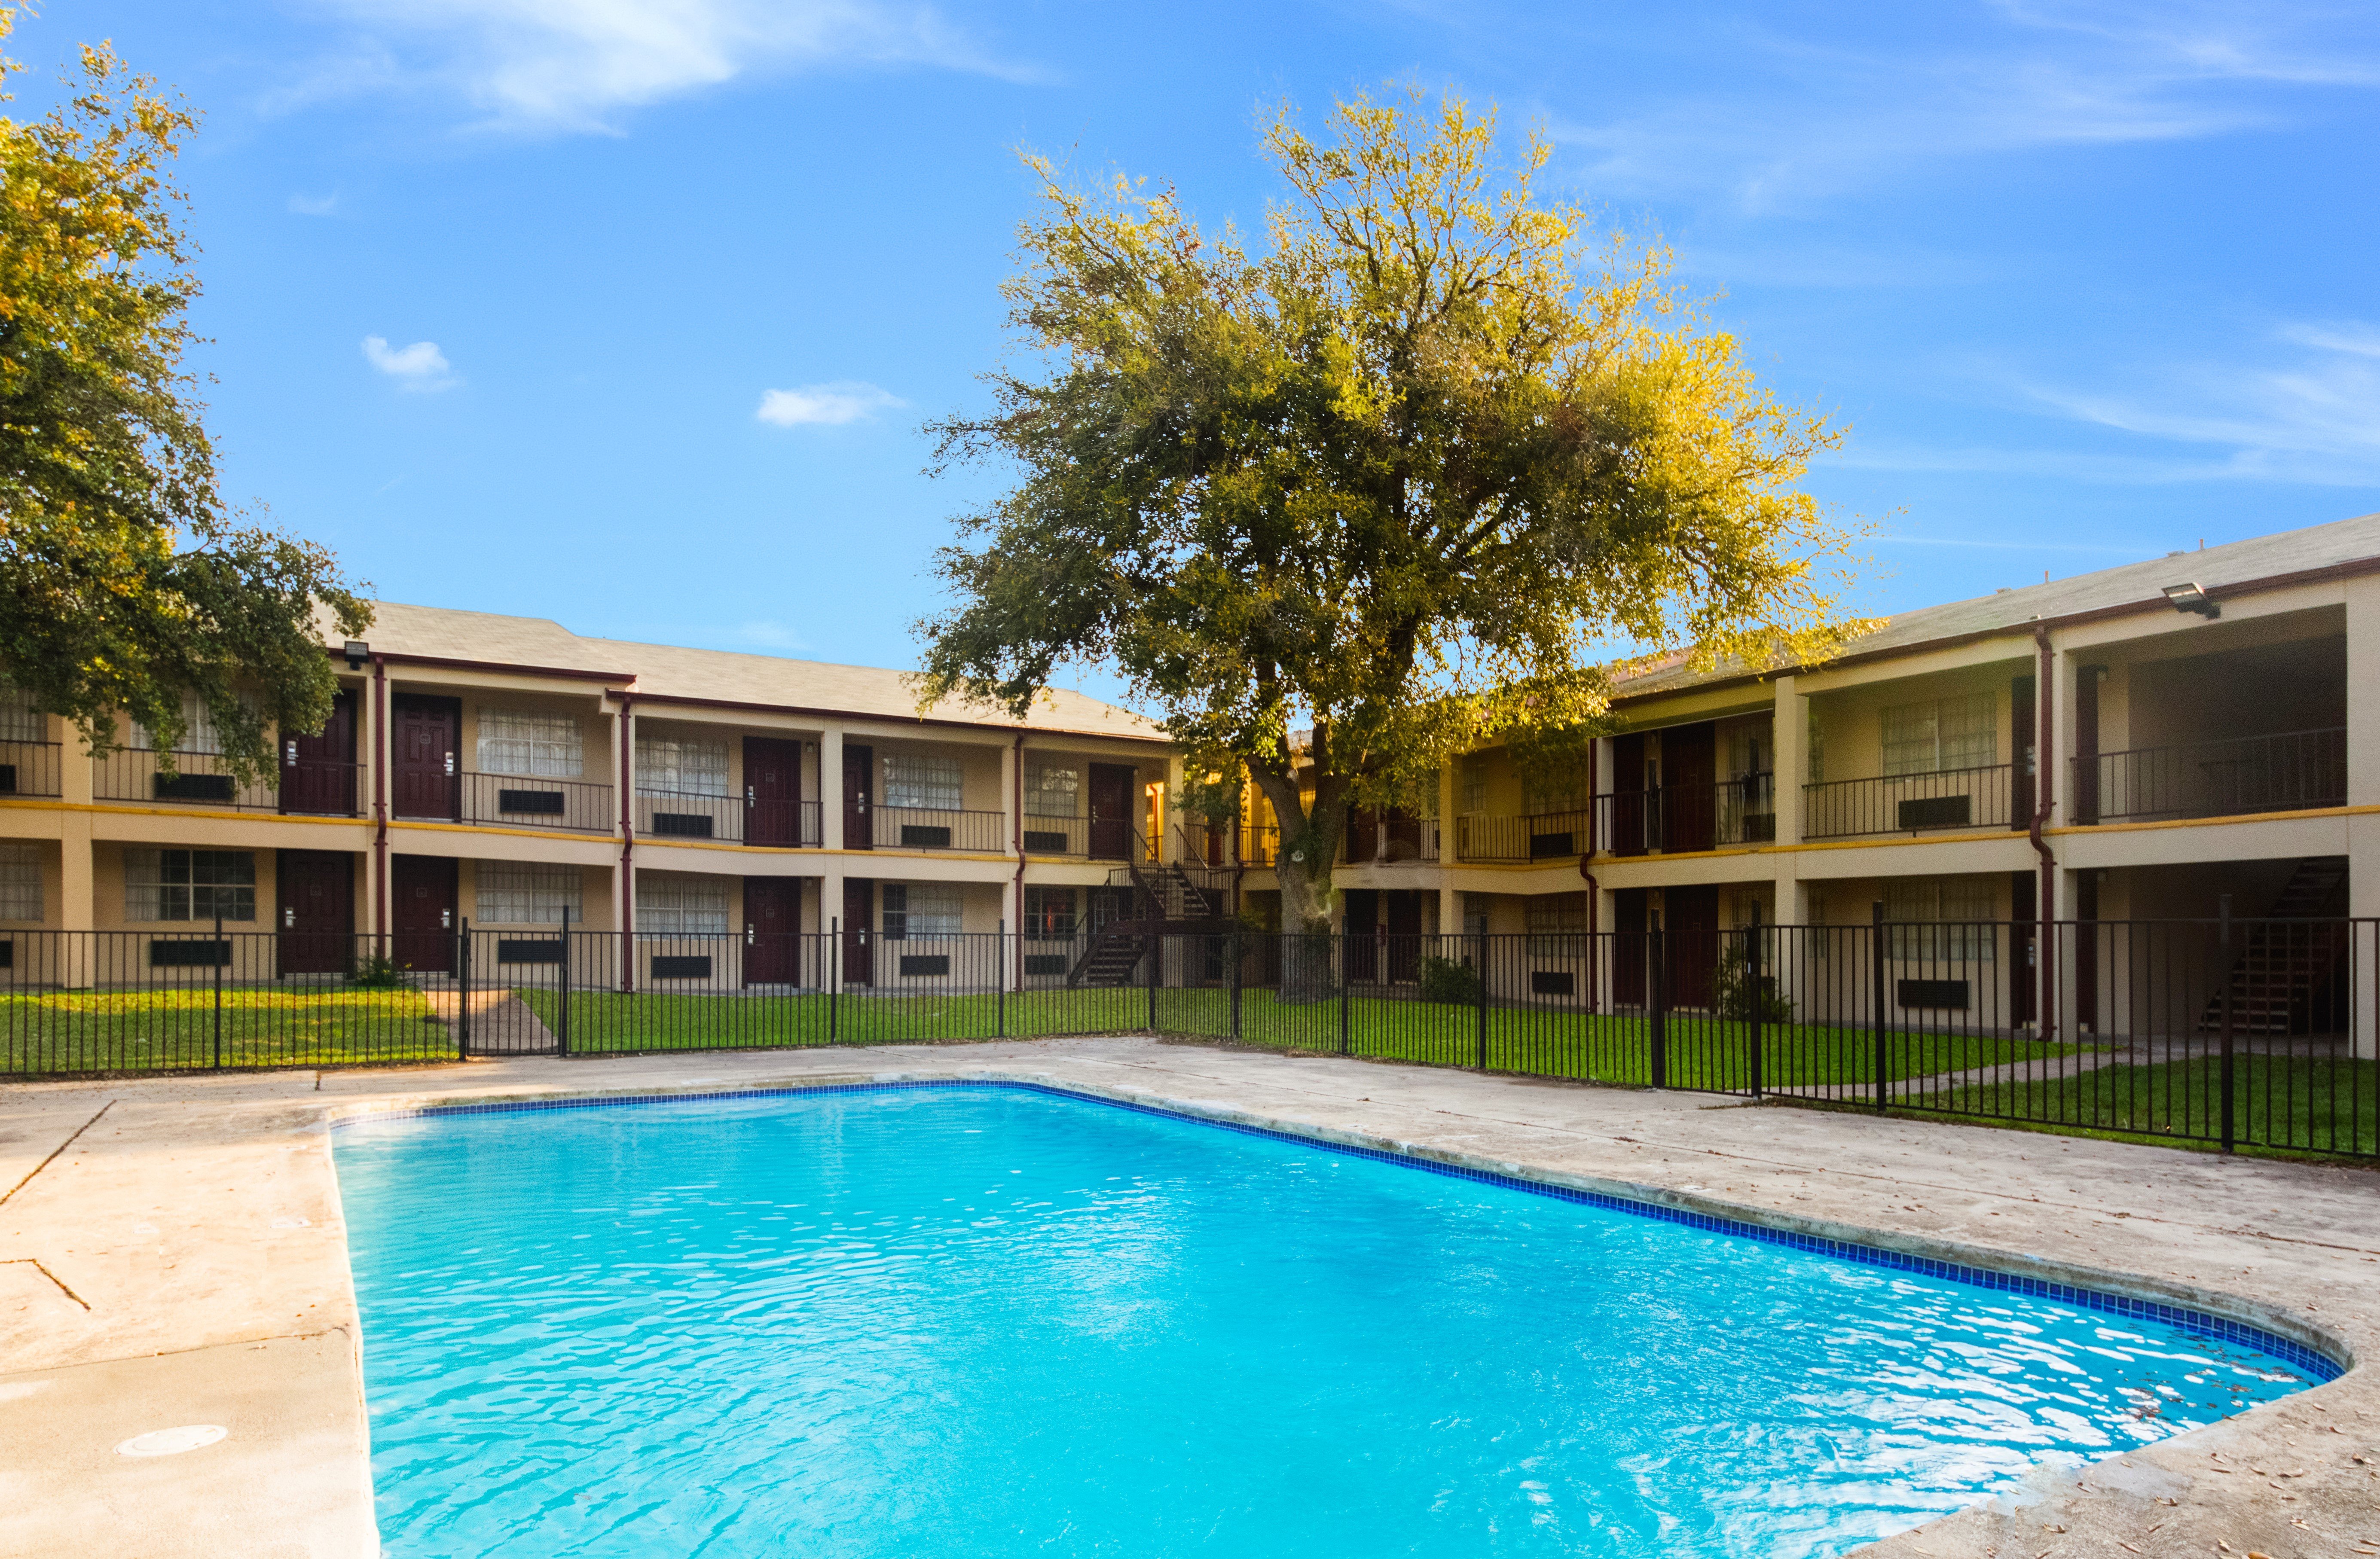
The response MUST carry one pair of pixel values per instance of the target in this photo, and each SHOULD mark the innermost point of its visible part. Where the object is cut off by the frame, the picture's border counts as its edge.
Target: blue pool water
(991, 1322)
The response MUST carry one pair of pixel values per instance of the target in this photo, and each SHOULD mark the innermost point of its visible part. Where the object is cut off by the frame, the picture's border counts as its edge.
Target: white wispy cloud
(1815, 120)
(575, 65)
(419, 366)
(844, 400)
(768, 636)
(314, 205)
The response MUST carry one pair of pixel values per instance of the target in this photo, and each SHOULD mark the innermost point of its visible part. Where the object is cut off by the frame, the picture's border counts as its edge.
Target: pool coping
(2321, 1353)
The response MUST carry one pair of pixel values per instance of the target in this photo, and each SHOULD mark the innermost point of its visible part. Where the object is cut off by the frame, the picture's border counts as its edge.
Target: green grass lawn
(262, 1026)
(1700, 1054)
(2300, 1103)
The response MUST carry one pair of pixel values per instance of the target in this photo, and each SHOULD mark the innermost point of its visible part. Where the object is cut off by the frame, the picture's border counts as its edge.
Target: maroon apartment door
(772, 923)
(858, 932)
(427, 733)
(859, 798)
(1690, 938)
(318, 773)
(423, 913)
(772, 791)
(315, 890)
(1110, 826)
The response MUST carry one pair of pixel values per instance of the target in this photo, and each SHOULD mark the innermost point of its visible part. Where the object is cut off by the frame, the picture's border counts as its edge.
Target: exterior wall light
(358, 653)
(2191, 597)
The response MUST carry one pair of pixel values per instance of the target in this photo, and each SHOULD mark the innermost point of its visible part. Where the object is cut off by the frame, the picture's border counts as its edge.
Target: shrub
(377, 973)
(1733, 996)
(1443, 979)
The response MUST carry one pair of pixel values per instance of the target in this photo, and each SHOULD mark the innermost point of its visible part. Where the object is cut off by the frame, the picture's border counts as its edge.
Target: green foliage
(1449, 979)
(123, 580)
(378, 972)
(1385, 492)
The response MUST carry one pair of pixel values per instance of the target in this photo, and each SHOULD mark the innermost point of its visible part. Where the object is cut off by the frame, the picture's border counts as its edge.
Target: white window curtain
(923, 781)
(680, 904)
(1474, 783)
(1557, 923)
(681, 765)
(531, 742)
(1947, 920)
(20, 882)
(1053, 789)
(914, 910)
(168, 885)
(199, 733)
(20, 721)
(515, 893)
(1945, 734)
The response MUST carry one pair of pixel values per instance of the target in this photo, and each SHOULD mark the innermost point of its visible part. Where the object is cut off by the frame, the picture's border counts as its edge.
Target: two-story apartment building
(511, 772)
(2149, 741)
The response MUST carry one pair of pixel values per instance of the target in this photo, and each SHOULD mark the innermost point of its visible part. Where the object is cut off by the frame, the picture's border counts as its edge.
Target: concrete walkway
(172, 1253)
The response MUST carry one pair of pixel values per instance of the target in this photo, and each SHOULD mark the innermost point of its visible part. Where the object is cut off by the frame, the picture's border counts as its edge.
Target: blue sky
(626, 312)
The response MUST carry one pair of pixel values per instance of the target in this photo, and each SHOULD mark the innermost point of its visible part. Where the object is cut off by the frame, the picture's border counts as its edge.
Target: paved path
(173, 1252)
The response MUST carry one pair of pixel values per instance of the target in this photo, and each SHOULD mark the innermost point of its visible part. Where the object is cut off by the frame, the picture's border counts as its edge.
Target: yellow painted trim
(2214, 822)
(53, 804)
(417, 826)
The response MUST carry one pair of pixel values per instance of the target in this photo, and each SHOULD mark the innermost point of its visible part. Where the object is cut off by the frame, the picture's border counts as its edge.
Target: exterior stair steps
(2283, 968)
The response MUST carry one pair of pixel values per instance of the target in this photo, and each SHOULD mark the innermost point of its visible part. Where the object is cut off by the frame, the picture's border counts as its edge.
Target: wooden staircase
(2281, 971)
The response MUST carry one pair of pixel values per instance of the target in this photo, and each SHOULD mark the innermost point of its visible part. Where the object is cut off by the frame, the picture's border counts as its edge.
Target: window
(1475, 914)
(19, 721)
(921, 780)
(680, 904)
(1048, 915)
(199, 733)
(20, 882)
(1954, 919)
(914, 910)
(1556, 925)
(525, 741)
(681, 765)
(1474, 782)
(1944, 734)
(512, 893)
(189, 885)
(1543, 793)
(1053, 789)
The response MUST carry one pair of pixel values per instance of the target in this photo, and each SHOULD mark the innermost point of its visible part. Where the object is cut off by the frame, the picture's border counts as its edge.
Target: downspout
(382, 747)
(2045, 913)
(627, 852)
(1016, 838)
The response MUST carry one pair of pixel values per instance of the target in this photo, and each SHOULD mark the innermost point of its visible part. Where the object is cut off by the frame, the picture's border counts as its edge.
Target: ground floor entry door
(858, 932)
(772, 923)
(421, 890)
(1690, 938)
(315, 895)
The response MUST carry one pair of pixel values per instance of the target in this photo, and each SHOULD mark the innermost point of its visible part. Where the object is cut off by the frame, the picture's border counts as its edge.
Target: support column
(830, 787)
(2364, 791)
(1790, 741)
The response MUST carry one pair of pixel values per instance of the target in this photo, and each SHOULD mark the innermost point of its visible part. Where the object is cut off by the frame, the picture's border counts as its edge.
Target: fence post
(833, 975)
(463, 992)
(1000, 980)
(2230, 1135)
(1759, 996)
(221, 953)
(1156, 966)
(1483, 1003)
(1657, 957)
(1346, 1000)
(1876, 978)
(1232, 954)
(562, 981)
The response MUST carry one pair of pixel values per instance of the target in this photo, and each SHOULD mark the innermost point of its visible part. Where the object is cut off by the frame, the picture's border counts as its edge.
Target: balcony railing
(1260, 844)
(1678, 818)
(199, 780)
(688, 814)
(1913, 803)
(1536, 836)
(1057, 836)
(1394, 838)
(2289, 772)
(926, 828)
(28, 768)
(535, 802)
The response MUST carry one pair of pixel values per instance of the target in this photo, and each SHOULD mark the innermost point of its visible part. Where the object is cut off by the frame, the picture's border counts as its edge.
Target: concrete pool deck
(172, 1253)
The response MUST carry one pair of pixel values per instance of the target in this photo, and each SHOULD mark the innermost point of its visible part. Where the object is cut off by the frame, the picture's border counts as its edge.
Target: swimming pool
(992, 1320)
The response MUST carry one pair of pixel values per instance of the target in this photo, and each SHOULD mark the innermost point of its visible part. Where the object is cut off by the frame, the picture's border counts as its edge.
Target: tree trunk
(1310, 963)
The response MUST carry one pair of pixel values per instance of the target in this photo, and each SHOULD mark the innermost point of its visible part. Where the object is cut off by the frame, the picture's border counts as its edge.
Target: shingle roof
(673, 670)
(2217, 569)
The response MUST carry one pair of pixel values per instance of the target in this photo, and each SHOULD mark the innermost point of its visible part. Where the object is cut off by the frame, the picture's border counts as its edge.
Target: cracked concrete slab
(200, 1215)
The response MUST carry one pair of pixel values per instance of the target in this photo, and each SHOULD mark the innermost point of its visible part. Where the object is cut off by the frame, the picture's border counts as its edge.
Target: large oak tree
(125, 581)
(1408, 479)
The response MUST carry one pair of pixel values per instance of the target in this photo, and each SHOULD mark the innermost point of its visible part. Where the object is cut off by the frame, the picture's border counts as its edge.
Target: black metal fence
(2255, 1032)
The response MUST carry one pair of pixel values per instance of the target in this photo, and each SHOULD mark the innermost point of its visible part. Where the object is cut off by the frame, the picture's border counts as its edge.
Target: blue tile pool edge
(2320, 1366)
